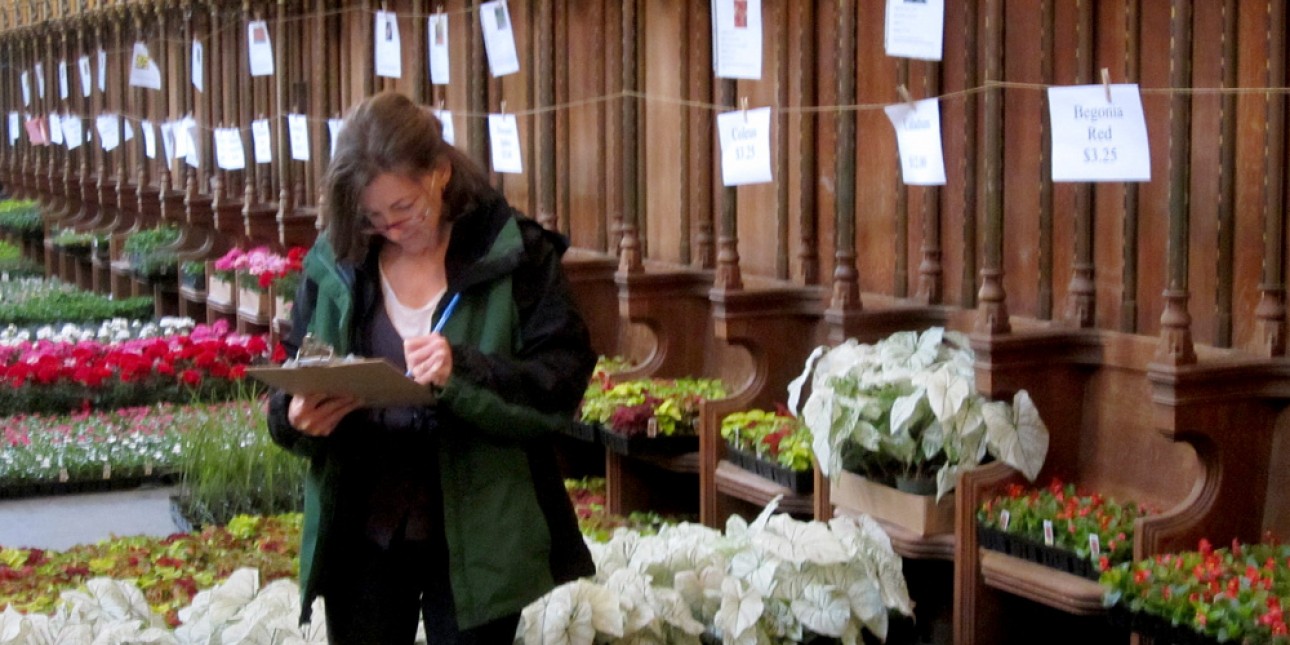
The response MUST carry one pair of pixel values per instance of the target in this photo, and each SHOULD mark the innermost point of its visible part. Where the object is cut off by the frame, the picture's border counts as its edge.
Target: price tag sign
(73, 131)
(83, 64)
(1095, 139)
(333, 129)
(445, 119)
(149, 139)
(499, 39)
(229, 152)
(745, 146)
(1004, 517)
(504, 139)
(1048, 532)
(737, 38)
(261, 141)
(259, 48)
(387, 52)
(298, 132)
(918, 136)
(1094, 546)
(438, 50)
(914, 28)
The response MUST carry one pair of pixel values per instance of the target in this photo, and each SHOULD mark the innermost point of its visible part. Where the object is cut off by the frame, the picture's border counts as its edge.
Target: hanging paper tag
(504, 137)
(918, 137)
(261, 141)
(55, 129)
(745, 146)
(229, 152)
(333, 132)
(62, 79)
(1098, 140)
(298, 129)
(499, 39)
(193, 135)
(40, 80)
(445, 120)
(914, 29)
(737, 40)
(438, 50)
(87, 82)
(73, 131)
(102, 70)
(199, 67)
(168, 141)
(15, 127)
(260, 48)
(1048, 532)
(149, 139)
(26, 89)
(108, 127)
(388, 55)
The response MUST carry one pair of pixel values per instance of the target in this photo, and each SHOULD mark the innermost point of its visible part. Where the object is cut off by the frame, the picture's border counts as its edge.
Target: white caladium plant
(774, 580)
(907, 406)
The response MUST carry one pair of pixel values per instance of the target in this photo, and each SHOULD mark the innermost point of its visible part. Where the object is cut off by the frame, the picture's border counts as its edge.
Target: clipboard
(377, 382)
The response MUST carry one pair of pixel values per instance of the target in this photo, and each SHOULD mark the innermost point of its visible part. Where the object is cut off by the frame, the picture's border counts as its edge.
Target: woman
(454, 511)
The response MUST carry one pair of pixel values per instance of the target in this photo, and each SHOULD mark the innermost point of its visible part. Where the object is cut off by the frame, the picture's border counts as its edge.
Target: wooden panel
(1023, 164)
(662, 135)
(587, 149)
(877, 173)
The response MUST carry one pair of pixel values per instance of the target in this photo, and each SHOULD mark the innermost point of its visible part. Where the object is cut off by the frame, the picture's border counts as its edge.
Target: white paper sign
(129, 129)
(298, 129)
(149, 139)
(388, 53)
(499, 39)
(199, 65)
(1097, 140)
(260, 139)
(915, 28)
(445, 120)
(333, 130)
(109, 129)
(15, 127)
(83, 63)
(26, 89)
(918, 136)
(260, 49)
(745, 146)
(73, 131)
(55, 129)
(102, 71)
(438, 50)
(229, 153)
(62, 80)
(504, 140)
(40, 80)
(736, 38)
(193, 135)
(143, 70)
(168, 141)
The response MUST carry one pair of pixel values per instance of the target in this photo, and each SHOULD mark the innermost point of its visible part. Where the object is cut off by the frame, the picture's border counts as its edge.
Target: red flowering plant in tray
(1236, 594)
(266, 267)
(47, 376)
(1096, 530)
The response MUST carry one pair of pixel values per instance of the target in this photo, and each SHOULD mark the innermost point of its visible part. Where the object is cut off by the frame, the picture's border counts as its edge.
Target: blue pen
(443, 318)
(447, 311)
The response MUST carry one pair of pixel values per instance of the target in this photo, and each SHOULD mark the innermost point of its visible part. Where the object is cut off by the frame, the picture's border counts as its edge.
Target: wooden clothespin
(441, 105)
(743, 106)
(439, 9)
(502, 107)
(1106, 83)
(904, 96)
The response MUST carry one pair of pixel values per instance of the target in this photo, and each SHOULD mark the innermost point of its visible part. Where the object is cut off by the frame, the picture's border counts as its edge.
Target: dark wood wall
(616, 105)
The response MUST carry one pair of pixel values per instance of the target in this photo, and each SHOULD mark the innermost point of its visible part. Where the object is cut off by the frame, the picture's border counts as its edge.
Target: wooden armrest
(1063, 591)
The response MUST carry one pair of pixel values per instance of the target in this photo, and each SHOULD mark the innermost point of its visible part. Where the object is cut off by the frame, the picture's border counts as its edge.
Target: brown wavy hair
(389, 133)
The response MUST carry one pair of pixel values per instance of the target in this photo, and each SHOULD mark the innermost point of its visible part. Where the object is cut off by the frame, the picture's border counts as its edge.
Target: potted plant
(1229, 595)
(149, 254)
(658, 414)
(775, 445)
(21, 218)
(1057, 526)
(192, 275)
(905, 413)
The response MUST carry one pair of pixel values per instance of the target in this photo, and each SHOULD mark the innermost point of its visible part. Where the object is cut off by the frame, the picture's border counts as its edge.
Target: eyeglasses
(373, 228)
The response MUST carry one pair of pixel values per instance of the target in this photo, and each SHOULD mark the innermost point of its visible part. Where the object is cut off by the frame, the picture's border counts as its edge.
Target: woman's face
(404, 210)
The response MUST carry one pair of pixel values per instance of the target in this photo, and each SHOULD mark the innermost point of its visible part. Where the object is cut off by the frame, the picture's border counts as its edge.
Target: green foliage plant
(32, 302)
(13, 265)
(229, 466)
(148, 254)
(907, 407)
(22, 218)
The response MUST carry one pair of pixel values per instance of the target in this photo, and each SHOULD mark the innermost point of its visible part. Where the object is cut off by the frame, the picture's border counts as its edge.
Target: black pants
(373, 595)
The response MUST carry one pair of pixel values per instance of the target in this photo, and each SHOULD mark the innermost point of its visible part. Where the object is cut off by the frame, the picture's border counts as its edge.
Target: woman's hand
(429, 359)
(317, 415)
